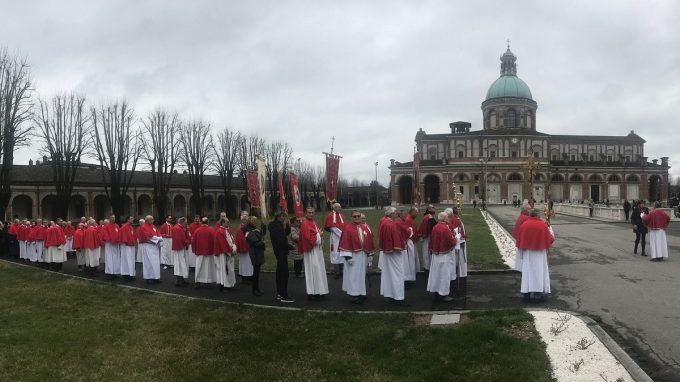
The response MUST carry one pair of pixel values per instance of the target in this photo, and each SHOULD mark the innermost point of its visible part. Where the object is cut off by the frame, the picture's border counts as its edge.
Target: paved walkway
(594, 270)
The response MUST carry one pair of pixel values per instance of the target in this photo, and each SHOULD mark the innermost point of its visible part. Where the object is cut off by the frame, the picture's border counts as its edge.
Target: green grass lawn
(482, 250)
(60, 328)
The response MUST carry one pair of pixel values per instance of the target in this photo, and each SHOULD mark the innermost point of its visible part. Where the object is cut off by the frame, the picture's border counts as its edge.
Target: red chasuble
(457, 223)
(518, 223)
(202, 241)
(145, 232)
(334, 219)
(78, 238)
(193, 227)
(350, 240)
(12, 230)
(389, 236)
(166, 229)
(425, 228)
(54, 237)
(68, 230)
(91, 238)
(220, 244)
(180, 237)
(241, 243)
(22, 232)
(308, 231)
(441, 239)
(369, 246)
(657, 219)
(534, 235)
(126, 235)
(109, 233)
(40, 233)
(411, 223)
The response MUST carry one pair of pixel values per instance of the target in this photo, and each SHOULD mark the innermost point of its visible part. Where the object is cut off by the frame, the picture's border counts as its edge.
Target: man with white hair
(126, 239)
(424, 230)
(442, 243)
(657, 221)
(245, 265)
(22, 235)
(91, 246)
(150, 241)
(224, 250)
(334, 224)
(166, 249)
(202, 242)
(180, 244)
(55, 241)
(523, 216)
(140, 223)
(352, 247)
(391, 262)
(111, 238)
(535, 237)
(411, 260)
(310, 246)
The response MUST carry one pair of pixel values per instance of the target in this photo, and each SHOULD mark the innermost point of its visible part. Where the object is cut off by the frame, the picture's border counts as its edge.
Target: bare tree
(278, 156)
(227, 153)
(117, 147)
(62, 127)
(251, 147)
(318, 184)
(15, 110)
(159, 149)
(197, 151)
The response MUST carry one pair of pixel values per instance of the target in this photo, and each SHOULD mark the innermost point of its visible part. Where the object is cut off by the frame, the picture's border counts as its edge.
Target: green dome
(508, 86)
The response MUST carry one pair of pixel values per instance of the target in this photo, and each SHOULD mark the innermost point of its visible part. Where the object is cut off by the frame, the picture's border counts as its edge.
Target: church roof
(508, 86)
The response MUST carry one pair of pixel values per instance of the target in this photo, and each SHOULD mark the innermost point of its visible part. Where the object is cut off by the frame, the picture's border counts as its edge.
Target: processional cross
(530, 167)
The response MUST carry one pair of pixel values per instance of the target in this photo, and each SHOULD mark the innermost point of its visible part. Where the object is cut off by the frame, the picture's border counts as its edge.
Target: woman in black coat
(638, 226)
(255, 239)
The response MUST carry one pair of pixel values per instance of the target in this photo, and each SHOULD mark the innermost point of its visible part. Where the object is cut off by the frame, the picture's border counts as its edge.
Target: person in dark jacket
(639, 227)
(278, 234)
(626, 209)
(255, 239)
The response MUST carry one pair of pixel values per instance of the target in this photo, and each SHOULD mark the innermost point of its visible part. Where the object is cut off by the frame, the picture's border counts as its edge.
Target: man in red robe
(523, 216)
(78, 246)
(369, 244)
(127, 241)
(657, 221)
(224, 250)
(391, 262)
(334, 224)
(166, 248)
(190, 255)
(309, 246)
(68, 232)
(54, 246)
(535, 237)
(424, 231)
(22, 237)
(351, 247)
(411, 260)
(202, 241)
(460, 251)
(39, 235)
(245, 265)
(111, 243)
(180, 245)
(442, 243)
(91, 246)
(149, 245)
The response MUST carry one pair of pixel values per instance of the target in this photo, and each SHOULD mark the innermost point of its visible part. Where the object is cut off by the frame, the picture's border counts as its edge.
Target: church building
(491, 164)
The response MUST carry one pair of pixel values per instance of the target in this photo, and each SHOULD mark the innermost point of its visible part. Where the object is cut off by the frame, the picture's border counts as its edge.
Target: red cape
(441, 239)
(657, 219)
(126, 235)
(349, 240)
(78, 239)
(91, 238)
(180, 237)
(109, 233)
(457, 223)
(220, 244)
(518, 223)
(308, 231)
(369, 246)
(389, 236)
(241, 243)
(339, 220)
(425, 228)
(54, 237)
(534, 235)
(166, 229)
(202, 241)
(411, 223)
(145, 232)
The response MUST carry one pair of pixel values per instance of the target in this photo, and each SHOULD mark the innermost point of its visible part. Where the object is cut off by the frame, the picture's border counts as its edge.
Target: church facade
(492, 164)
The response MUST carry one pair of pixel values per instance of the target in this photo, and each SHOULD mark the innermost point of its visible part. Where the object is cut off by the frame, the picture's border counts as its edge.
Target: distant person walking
(657, 221)
(626, 209)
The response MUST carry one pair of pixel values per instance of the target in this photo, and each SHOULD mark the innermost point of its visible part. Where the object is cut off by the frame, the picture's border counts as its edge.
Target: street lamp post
(375, 185)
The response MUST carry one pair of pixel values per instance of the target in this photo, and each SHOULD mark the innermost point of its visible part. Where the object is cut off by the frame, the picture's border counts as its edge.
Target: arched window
(576, 178)
(510, 119)
(556, 178)
(515, 177)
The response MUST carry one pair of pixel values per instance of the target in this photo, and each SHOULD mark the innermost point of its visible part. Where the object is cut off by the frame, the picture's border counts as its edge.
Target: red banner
(297, 198)
(253, 189)
(282, 195)
(332, 169)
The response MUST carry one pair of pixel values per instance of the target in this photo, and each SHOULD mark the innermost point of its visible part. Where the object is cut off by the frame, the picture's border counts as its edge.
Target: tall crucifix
(530, 167)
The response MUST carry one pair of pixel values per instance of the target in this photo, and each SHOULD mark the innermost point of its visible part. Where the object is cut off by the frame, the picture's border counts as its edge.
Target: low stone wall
(609, 213)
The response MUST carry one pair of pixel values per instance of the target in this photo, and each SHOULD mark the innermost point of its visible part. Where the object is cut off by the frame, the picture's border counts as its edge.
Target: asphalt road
(594, 270)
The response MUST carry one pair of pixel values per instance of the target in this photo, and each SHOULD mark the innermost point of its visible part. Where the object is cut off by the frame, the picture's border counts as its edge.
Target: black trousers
(297, 267)
(256, 277)
(640, 237)
(627, 214)
(282, 274)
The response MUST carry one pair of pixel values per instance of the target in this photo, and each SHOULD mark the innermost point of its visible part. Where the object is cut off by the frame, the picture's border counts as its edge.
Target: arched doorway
(48, 208)
(127, 208)
(431, 189)
(76, 207)
(654, 188)
(245, 204)
(179, 206)
(102, 207)
(22, 207)
(405, 189)
(144, 205)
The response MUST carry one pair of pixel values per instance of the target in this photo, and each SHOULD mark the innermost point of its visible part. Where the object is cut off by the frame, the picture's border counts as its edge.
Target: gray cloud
(368, 73)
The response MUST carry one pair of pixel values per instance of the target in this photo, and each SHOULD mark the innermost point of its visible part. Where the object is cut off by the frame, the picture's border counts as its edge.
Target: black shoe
(399, 303)
(149, 281)
(527, 297)
(257, 293)
(286, 299)
(198, 286)
(643, 253)
(357, 300)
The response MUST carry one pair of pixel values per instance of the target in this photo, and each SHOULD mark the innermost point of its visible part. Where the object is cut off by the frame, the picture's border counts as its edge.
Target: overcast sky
(368, 73)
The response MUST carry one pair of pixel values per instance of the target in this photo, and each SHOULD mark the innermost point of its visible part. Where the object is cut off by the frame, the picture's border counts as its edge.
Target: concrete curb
(624, 359)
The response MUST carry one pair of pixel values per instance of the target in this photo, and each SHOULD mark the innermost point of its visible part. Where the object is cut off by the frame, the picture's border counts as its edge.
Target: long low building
(492, 164)
(33, 194)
